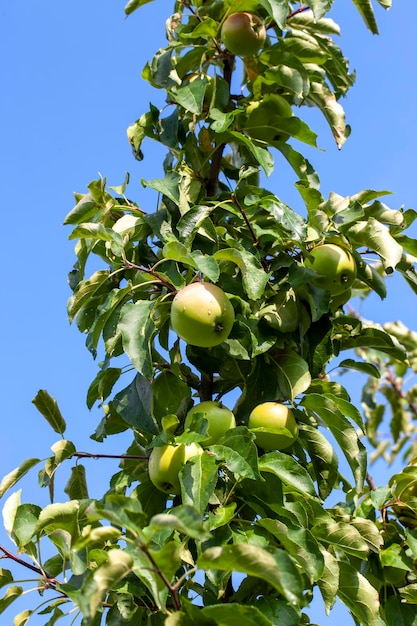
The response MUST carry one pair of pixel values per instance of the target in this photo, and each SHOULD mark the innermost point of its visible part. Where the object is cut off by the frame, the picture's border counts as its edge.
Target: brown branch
(171, 588)
(392, 380)
(152, 272)
(51, 582)
(370, 481)
(297, 11)
(215, 166)
(245, 217)
(92, 455)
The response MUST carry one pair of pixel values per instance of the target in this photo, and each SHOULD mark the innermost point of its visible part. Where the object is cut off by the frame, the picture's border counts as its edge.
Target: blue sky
(71, 84)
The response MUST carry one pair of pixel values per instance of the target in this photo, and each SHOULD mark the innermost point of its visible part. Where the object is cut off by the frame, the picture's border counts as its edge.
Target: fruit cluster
(202, 315)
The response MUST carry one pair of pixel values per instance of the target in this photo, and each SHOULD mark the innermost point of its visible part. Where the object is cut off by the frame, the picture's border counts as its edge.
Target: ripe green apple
(335, 265)
(202, 315)
(264, 118)
(243, 34)
(166, 462)
(220, 420)
(274, 426)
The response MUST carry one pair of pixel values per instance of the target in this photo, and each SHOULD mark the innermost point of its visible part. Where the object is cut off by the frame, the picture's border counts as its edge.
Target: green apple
(274, 426)
(338, 301)
(166, 462)
(243, 34)
(264, 118)
(220, 420)
(202, 315)
(335, 266)
(281, 311)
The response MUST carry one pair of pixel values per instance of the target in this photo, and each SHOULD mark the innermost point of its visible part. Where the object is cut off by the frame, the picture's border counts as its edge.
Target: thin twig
(34, 568)
(245, 217)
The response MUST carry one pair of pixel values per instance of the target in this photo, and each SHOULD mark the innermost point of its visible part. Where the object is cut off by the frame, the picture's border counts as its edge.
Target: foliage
(252, 535)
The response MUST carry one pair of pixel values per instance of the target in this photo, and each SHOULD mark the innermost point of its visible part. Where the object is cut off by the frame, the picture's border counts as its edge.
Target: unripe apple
(335, 266)
(265, 118)
(166, 462)
(243, 34)
(220, 420)
(273, 425)
(338, 301)
(202, 315)
(281, 312)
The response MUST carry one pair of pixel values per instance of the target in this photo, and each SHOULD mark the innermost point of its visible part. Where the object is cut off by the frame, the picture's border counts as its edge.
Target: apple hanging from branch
(220, 419)
(243, 34)
(202, 315)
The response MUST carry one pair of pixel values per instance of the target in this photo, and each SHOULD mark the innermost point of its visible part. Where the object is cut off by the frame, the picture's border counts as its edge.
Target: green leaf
(134, 405)
(15, 475)
(235, 462)
(345, 434)
(63, 450)
(278, 9)
(262, 155)
(367, 13)
(359, 595)
(300, 544)
(323, 458)
(361, 366)
(399, 613)
(117, 566)
(234, 614)
(253, 276)
(6, 577)
(326, 101)
(171, 395)
(329, 581)
(90, 230)
(378, 340)
(168, 186)
(293, 374)
(84, 210)
(76, 487)
(289, 471)
(25, 522)
(132, 5)
(276, 567)
(198, 480)
(191, 221)
(22, 618)
(48, 407)
(278, 611)
(86, 291)
(59, 516)
(138, 328)
(120, 510)
(12, 593)
(377, 237)
(185, 518)
(342, 536)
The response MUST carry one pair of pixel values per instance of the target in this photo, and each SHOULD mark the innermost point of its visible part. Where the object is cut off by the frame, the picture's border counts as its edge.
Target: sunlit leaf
(14, 476)
(48, 407)
(359, 595)
(275, 568)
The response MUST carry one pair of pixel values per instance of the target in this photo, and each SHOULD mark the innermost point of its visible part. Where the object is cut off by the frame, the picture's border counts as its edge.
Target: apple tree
(243, 509)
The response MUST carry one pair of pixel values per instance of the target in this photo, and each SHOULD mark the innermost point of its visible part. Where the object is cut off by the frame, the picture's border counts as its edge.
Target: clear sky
(71, 84)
